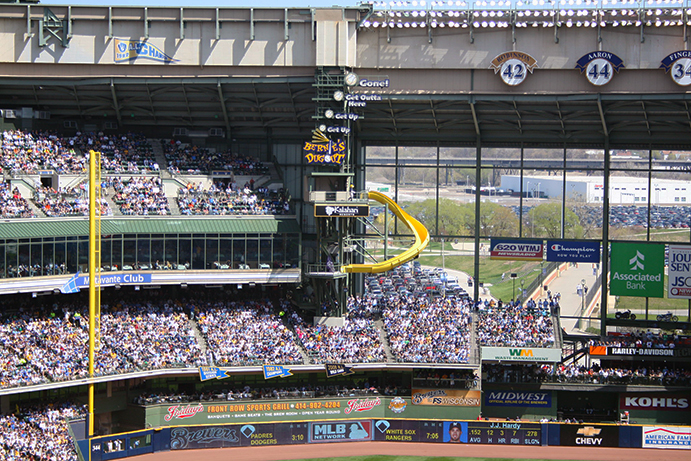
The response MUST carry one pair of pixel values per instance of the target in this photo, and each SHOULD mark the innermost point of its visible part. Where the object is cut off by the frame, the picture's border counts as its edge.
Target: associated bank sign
(637, 270)
(521, 354)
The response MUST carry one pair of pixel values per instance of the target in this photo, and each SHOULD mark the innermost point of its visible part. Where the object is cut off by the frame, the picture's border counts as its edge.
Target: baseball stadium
(255, 232)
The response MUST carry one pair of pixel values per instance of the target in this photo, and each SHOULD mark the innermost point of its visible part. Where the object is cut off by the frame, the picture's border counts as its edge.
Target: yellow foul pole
(94, 272)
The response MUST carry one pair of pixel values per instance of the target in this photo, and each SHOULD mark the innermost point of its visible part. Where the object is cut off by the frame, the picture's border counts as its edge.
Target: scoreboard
(508, 433)
(474, 432)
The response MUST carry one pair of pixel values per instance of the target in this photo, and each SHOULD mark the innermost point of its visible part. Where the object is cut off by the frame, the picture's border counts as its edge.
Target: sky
(202, 3)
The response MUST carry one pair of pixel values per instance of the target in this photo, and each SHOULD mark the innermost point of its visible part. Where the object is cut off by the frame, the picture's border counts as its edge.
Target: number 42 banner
(637, 270)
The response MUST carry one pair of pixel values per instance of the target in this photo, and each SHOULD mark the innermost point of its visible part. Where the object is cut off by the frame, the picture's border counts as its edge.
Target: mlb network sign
(637, 270)
(521, 354)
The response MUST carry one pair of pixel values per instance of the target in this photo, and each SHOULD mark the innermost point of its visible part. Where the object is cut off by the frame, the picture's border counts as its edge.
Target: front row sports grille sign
(637, 270)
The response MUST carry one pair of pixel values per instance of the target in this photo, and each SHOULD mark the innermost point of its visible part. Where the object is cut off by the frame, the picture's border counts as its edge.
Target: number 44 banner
(637, 270)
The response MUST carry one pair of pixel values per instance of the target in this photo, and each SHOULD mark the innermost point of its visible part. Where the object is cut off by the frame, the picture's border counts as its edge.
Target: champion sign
(565, 251)
(514, 250)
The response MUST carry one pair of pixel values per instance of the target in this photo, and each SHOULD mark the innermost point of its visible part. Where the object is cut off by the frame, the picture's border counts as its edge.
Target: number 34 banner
(637, 270)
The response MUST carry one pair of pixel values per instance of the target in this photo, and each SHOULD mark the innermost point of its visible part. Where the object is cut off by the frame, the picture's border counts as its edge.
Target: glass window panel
(144, 252)
(252, 258)
(265, 252)
(293, 250)
(670, 160)
(106, 255)
(457, 156)
(171, 251)
(417, 193)
(157, 254)
(212, 259)
(72, 263)
(185, 251)
(3, 262)
(629, 160)
(585, 159)
(36, 259)
(380, 155)
(116, 251)
(48, 259)
(24, 254)
(584, 198)
(239, 250)
(628, 201)
(129, 254)
(83, 254)
(661, 306)
(279, 253)
(60, 258)
(198, 253)
(225, 252)
(670, 207)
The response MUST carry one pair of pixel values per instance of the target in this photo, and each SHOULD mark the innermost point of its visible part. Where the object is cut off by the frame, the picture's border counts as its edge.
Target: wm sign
(521, 352)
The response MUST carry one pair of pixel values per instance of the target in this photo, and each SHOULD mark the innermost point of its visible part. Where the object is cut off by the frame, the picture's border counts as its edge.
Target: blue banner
(613, 59)
(206, 373)
(518, 399)
(568, 251)
(276, 371)
(338, 369)
(74, 284)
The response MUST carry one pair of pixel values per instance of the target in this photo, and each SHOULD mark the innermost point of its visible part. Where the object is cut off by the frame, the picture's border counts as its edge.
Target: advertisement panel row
(480, 432)
(461, 404)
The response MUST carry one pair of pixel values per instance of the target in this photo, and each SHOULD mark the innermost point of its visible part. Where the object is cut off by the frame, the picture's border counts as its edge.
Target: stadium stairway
(109, 199)
(385, 341)
(159, 156)
(200, 337)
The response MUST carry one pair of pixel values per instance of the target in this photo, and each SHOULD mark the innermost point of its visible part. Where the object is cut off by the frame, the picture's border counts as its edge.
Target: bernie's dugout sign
(516, 250)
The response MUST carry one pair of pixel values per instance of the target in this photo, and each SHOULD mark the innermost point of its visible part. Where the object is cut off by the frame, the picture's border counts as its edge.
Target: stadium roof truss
(283, 109)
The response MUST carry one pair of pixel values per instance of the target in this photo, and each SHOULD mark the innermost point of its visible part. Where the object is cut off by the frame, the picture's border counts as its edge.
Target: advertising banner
(667, 437)
(654, 401)
(341, 210)
(514, 354)
(187, 438)
(637, 270)
(567, 251)
(345, 431)
(679, 271)
(518, 399)
(516, 250)
(399, 431)
(446, 397)
(598, 435)
(642, 352)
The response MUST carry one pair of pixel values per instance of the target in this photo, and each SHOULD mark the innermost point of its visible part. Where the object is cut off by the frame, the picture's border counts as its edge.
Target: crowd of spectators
(246, 333)
(428, 331)
(58, 204)
(28, 152)
(642, 339)
(188, 159)
(356, 341)
(39, 433)
(12, 204)
(515, 324)
(141, 196)
(643, 374)
(226, 198)
(51, 343)
(128, 153)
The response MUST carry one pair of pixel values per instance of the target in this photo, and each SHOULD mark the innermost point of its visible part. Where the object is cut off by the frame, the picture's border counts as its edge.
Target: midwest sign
(517, 354)
(637, 270)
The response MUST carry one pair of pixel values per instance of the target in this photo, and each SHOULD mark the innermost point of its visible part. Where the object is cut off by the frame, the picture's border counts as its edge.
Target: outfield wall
(362, 430)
